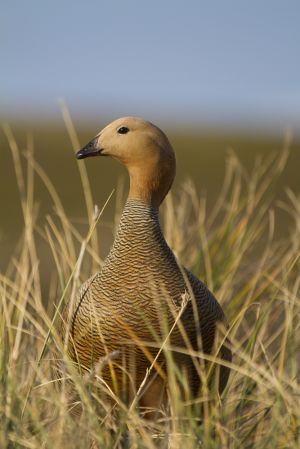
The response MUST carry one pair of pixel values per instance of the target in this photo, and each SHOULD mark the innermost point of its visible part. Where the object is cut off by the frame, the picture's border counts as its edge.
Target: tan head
(146, 152)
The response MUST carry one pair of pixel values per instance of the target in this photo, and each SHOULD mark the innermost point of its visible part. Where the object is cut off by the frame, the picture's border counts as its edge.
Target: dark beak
(89, 150)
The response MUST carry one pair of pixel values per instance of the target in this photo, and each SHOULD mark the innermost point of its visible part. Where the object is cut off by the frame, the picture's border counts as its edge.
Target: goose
(143, 298)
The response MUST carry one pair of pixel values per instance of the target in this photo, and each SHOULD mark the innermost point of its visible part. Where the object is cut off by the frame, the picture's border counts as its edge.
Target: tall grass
(234, 248)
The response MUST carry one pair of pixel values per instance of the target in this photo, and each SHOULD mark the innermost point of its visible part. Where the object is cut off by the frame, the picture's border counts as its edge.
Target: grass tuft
(234, 248)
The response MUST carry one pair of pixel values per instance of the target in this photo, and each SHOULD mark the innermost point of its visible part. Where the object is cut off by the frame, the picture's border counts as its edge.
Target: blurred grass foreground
(229, 240)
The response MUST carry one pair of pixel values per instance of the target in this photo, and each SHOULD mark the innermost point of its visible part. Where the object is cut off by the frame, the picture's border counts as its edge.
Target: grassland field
(233, 218)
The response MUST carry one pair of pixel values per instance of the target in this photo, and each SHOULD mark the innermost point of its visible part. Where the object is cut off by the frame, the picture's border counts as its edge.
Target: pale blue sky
(226, 61)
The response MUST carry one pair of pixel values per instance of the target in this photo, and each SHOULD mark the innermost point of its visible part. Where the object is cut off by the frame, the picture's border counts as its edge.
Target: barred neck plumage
(139, 232)
(137, 213)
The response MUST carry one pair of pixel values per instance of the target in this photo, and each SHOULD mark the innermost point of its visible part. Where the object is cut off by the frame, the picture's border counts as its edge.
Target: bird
(143, 308)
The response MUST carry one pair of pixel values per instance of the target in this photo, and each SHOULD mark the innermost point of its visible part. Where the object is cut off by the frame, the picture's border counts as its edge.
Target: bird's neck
(139, 233)
(142, 189)
(150, 184)
(139, 220)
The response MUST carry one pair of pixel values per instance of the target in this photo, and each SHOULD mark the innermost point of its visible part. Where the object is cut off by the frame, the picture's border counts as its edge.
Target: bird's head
(144, 150)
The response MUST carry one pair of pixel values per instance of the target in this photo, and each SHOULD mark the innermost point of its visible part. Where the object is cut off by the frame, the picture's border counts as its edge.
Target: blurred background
(214, 75)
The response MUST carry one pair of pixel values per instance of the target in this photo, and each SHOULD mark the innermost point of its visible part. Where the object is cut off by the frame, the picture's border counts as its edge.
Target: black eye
(123, 130)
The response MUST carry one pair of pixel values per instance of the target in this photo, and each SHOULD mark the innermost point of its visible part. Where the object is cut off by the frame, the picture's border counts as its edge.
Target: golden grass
(234, 248)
